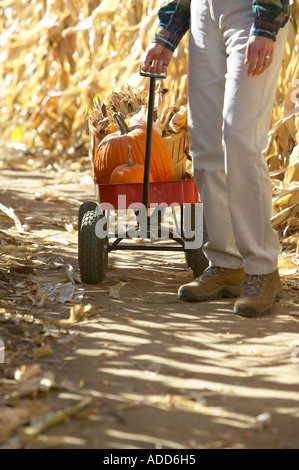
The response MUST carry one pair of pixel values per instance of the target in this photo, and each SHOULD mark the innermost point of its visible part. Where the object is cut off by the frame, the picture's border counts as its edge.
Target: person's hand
(156, 59)
(259, 54)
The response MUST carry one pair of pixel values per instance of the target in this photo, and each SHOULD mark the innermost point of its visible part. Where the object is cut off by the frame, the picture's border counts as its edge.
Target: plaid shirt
(268, 17)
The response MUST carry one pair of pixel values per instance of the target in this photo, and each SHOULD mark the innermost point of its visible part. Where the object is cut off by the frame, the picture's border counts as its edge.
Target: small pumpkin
(112, 152)
(128, 172)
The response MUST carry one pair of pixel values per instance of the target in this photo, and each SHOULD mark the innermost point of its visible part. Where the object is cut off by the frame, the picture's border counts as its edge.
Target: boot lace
(210, 272)
(253, 284)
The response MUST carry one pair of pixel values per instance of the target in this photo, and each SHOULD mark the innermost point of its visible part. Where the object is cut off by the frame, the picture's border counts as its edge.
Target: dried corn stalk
(58, 55)
(282, 152)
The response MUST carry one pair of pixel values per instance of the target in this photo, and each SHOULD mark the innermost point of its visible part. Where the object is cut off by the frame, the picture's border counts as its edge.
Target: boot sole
(224, 292)
(250, 312)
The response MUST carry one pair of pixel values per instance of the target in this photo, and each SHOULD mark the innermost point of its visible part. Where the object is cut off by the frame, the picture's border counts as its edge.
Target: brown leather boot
(259, 295)
(213, 283)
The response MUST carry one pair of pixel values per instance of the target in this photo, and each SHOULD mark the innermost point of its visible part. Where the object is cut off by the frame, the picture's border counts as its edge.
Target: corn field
(60, 57)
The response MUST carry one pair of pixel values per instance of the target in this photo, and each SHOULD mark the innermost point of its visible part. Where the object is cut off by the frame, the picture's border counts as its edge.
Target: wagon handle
(149, 132)
(152, 75)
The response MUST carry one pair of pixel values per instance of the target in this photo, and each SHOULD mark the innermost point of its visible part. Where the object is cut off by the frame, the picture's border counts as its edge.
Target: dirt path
(158, 373)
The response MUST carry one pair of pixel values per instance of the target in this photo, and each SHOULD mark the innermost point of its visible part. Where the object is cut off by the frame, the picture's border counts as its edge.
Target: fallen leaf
(65, 292)
(72, 275)
(26, 372)
(56, 417)
(78, 311)
(43, 351)
(261, 421)
(114, 291)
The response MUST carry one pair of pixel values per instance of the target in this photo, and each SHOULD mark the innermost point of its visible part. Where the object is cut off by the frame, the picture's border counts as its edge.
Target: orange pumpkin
(112, 152)
(128, 172)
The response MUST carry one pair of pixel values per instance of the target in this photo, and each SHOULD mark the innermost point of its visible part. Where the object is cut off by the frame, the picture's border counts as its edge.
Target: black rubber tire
(85, 207)
(195, 258)
(198, 262)
(92, 250)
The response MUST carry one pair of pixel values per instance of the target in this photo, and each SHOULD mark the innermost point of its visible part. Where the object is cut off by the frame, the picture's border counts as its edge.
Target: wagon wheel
(196, 258)
(93, 249)
(85, 207)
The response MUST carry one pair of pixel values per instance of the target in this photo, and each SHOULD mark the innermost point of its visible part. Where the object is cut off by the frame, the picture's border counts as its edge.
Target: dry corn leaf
(11, 418)
(287, 267)
(51, 419)
(42, 351)
(78, 312)
(9, 211)
(27, 371)
(114, 291)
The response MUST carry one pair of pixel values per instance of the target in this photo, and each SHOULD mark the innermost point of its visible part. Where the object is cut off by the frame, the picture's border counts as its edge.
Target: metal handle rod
(149, 133)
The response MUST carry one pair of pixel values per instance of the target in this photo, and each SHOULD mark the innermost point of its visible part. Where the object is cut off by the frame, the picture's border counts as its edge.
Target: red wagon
(149, 202)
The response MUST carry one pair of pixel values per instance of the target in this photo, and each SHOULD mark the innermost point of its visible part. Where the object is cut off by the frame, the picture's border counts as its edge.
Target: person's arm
(269, 16)
(174, 20)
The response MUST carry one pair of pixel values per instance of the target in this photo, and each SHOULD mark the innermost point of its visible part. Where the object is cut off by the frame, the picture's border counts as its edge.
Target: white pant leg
(236, 192)
(207, 68)
(247, 112)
